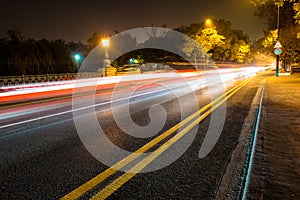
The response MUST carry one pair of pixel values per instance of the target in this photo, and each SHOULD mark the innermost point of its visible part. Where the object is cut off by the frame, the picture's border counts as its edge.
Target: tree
(192, 30)
(242, 50)
(15, 41)
(291, 45)
(297, 15)
(62, 55)
(28, 56)
(223, 42)
(237, 43)
(267, 9)
(4, 56)
(289, 29)
(209, 39)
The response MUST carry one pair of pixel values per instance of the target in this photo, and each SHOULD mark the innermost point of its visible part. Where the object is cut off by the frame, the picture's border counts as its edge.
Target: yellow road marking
(76, 193)
(115, 185)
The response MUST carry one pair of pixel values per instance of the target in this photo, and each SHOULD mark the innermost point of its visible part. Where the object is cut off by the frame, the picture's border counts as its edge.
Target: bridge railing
(16, 80)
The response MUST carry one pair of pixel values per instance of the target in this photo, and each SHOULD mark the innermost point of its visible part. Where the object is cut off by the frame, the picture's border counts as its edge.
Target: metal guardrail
(15, 80)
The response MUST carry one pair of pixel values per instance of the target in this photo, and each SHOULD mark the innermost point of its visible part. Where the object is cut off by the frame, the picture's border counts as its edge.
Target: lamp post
(77, 57)
(105, 44)
(209, 25)
(278, 49)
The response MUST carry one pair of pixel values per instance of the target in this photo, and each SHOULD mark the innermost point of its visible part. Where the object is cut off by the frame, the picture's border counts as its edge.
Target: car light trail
(62, 85)
(107, 191)
(195, 84)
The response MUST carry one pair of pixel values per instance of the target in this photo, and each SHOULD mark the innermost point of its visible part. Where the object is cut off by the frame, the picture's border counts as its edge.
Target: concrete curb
(232, 183)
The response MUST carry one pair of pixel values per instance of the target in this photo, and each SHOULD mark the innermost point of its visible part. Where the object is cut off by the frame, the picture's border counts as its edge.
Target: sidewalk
(276, 168)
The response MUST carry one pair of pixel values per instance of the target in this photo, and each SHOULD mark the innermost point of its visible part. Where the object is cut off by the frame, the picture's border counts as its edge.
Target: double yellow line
(115, 185)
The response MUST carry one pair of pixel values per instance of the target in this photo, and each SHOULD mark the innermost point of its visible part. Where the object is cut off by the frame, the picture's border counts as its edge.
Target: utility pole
(277, 50)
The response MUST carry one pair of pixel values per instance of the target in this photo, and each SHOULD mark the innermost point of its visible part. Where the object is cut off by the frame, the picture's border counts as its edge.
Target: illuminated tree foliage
(221, 41)
(209, 38)
(242, 51)
(271, 39)
(237, 44)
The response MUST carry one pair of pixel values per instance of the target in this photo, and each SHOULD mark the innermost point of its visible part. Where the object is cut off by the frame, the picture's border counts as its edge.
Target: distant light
(208, 22)
(105, 42)
(131, 60)
(77, 57)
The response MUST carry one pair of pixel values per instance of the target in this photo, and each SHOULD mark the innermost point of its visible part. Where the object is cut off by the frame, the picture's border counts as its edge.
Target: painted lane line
(110, 171)
(119, 182)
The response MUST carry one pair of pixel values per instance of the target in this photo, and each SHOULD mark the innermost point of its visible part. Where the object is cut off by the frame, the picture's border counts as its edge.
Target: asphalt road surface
(43, 157)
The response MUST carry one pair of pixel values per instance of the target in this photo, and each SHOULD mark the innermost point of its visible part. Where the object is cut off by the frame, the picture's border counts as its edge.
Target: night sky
(75, 20)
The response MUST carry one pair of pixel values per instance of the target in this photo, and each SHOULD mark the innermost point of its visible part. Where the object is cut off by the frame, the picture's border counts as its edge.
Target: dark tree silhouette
(28, 56)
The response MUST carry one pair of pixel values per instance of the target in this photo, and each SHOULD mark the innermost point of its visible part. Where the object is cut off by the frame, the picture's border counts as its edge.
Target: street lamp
(77, 57)
(208, 22)
(208, 25)
(105, 44)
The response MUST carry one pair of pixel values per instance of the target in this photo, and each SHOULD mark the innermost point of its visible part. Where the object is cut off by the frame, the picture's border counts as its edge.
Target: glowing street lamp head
(77, 57)
(208, 22)
(105, 42)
